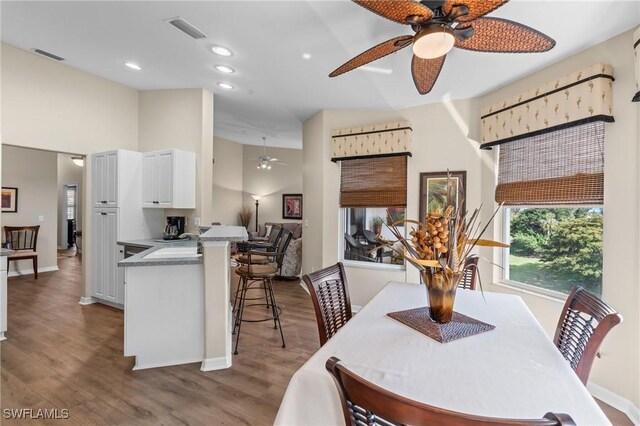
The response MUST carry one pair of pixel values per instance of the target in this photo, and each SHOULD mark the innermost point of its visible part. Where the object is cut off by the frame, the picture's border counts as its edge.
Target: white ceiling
(276, 89)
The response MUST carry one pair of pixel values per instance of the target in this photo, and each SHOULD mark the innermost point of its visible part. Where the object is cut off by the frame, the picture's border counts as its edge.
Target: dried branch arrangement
(245, 216)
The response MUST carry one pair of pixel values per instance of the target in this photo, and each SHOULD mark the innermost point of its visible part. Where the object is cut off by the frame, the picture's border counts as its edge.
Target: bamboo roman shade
(565, 167)
(374, 182)
(636, 53)
(380, 140)
(579, 98)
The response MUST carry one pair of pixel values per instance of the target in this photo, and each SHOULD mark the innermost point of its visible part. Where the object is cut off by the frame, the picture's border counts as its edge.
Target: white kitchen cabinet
(169, 179)
(105, 178)
(108, 282)
(117, 215)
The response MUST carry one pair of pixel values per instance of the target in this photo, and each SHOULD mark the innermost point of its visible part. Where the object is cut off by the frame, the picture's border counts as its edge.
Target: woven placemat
(459, 327)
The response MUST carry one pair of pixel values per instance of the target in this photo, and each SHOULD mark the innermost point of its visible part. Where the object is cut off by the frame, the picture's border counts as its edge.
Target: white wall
(182, 119)
(68, 173)
(227, 181)
(49, 105)
(271, 184)
(619, 368)
(34, 173)
(440, 142)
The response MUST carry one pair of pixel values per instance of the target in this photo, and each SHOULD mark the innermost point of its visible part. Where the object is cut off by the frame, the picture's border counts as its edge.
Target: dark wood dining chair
(583, 325)
(331, 301)
(470, 273)
(364, 403)
(23, 240)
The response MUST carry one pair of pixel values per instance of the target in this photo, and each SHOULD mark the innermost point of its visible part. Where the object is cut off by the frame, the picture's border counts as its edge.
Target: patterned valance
(579, 98)
(636, 53)
(380, 140)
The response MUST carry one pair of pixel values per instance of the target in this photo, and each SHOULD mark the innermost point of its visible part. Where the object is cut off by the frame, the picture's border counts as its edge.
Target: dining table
(511, 371)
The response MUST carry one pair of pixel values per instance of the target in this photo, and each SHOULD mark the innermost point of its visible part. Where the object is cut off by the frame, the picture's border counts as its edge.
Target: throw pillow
(268, 230)
(262, 230)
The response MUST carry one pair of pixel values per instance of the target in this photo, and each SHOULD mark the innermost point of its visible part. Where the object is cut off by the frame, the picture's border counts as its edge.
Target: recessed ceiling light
(222, 51)
(133, 66)
(225, 69)
(306, 56)
(226, 86)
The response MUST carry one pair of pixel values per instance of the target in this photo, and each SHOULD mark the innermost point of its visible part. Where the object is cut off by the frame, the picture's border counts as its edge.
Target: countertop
(157, 244)
(5, 252)
(225, 233)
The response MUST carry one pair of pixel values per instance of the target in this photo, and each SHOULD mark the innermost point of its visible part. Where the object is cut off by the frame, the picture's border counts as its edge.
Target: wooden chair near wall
(470, 273)
(331, 301)
(23, 240)
(583, 325)
(364, 403)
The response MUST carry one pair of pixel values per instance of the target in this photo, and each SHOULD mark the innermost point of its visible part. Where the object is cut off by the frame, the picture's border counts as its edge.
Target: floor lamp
(257, 200)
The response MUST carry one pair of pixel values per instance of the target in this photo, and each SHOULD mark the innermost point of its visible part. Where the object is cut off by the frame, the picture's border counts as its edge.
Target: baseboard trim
(304, 287)
(87, 300)
(616, 401)
(24, 272)
(219, 363)
(109, 303)
(140, 366)
(2, 336)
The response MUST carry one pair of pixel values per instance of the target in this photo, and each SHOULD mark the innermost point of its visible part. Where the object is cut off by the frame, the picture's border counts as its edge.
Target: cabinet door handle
(103, 214)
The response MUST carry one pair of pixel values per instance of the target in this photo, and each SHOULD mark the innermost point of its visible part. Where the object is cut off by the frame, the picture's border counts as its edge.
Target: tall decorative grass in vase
(245, 215)
(439, 247)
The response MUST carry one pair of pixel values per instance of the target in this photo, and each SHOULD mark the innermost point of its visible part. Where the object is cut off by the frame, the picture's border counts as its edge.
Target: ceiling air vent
(48, 55)
(186, 28)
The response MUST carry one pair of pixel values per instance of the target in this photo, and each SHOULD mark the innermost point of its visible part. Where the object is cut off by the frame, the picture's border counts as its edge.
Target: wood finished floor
(60, 354)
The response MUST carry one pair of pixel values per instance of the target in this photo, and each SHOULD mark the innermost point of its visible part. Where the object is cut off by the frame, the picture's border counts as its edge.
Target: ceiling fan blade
(376, 52)
(504, 36)
(397, 10)
(280, 163)
(477, 8)
(425, 72)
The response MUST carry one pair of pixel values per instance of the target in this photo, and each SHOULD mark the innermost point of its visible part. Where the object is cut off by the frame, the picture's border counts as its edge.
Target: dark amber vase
(441, 291)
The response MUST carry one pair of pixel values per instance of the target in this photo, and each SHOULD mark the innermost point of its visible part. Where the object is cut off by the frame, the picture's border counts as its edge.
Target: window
(554, 248)
(71, 201)
(361, 227)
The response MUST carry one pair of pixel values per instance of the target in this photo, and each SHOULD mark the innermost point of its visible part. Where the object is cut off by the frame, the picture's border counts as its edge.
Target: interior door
(165, 179)
(110, 180)
(149, 172)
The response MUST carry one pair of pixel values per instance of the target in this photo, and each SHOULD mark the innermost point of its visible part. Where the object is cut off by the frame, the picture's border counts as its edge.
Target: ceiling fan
(264, 161)
(440, 25)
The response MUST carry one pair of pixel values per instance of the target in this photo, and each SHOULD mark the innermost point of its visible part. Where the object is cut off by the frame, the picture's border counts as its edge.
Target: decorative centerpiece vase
(441, 288)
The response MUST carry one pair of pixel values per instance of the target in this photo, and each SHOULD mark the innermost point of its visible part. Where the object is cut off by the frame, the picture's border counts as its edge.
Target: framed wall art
(9, 200)
(292, 206)
(434, 194)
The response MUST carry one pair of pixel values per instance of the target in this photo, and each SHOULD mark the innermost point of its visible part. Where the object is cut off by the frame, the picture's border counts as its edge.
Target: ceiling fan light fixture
(433, 42)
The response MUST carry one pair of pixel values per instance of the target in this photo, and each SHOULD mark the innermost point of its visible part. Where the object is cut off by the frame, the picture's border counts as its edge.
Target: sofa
(292, 261)
(261, 235)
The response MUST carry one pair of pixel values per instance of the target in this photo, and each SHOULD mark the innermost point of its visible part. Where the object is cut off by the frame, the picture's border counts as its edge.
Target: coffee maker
(174, 227)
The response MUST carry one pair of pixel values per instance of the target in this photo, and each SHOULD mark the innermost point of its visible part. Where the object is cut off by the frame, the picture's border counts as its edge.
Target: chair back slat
(275, 235)
(470, 273)
(21, 237)
(283, 244)
(583, 325)
(330, 294)
(366, 404)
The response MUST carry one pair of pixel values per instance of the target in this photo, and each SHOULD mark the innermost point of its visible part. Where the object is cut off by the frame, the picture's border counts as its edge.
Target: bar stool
(259, 277)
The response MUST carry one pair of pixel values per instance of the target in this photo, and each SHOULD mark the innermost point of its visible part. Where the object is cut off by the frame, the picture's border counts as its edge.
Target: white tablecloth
(512, 371)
